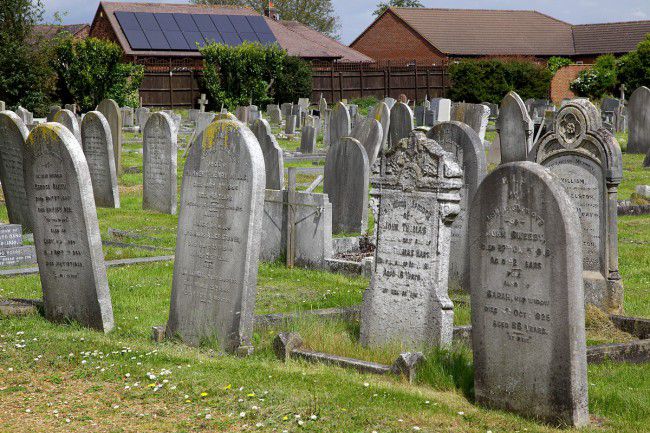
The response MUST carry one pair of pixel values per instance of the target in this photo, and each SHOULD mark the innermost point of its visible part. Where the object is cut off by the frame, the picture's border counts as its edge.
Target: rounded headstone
(273, 155)
(68, 119)
(113, 115)
(401, 123)
(97, 145)
(370, 134)
(159, 163)
(639, 121)
(340, 123)
(515, 129)
(13, 134)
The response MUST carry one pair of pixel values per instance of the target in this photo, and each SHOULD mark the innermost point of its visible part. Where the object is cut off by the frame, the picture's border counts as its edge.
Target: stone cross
(13, 134)
(159, 162)
(272, 153)
(515, 129)
(203, 102)
(97, 145)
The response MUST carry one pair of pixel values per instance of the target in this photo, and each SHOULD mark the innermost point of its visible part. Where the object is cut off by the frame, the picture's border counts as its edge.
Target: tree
(634, 67)
(317, 14)
(381, 7)
(293, 82)
(598, 81)
(25, 76)
(555, 63)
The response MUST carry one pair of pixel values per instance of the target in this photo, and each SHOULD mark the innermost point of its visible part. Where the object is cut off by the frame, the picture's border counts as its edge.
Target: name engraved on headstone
(97, 146)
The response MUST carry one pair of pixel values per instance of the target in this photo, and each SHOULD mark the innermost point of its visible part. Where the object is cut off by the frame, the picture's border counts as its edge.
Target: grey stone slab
(11, 235)
(381, 113)
(528, 320)
(218, 241)
(108, 264)
(159, 164)
(401, 123)
(290, 124)
(113, 115)
(587, 160)
(127, 117)
(3, 106)
(273, 155)
(515, 129)
(308, 139)
(202, 122)
(639, 121)
(141, 116)
(25, 115)
(19, 255)
(441, 109)
(66, 230)
(322, 105)
(97, 145)
(463, 142)
(346, 183)
(494, 152)
(370, 134)
(13, 134)
(474, 115)
(286, 109)
(340, 123)
(68, 119)
(53, 110)
(275, 115)
(419, 196)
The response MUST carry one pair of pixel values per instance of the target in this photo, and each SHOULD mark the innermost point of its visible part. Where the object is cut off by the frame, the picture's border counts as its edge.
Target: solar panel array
(187, 32)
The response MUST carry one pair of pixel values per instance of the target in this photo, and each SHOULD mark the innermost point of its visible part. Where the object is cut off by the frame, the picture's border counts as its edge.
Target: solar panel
(223, 24)
(157, 40)
(266, 38)
(193, 38)
(147, 21)
(204, 23)
(241, 24)
(167, 22)
(186, 23)
(136, 39)
(177, 41)
(212, 37)
(127, 21)
(258, 23)
(250, 37)
(231, 39)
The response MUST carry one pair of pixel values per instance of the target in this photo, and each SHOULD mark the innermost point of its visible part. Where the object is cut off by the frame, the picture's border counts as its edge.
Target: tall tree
(381, 7)
(317, 14)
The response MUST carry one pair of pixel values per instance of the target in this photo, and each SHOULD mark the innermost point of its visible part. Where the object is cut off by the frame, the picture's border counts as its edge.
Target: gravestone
(242, 114)
(528, 319)
(176, 119)
(286, 109)
(142, 115)
(369, 133)
(25, 115)
(515, 129)
(474, 115)
(401, 123)
(68, 119)
(97, 145)
(382, 115)
(587, 161)
(494, 152)
(345, 181)
(13, 134)
(275, 115)
(203, 101)
(202, 122)
(340, 123)
(322, 106)
(159, 163)
(290, 125)
(463, 143)
(326, 116)
(407, 301)
(127, 117)
(390, 102)
(71, 107)
(66, 230)
(253, 113)
(304, 103)
(272, 153)
(12, 250)
(639, 121)
(53, 110)
(193, 114)
(3, 106)
(308, 139)
(111, 112)
(217, 247)
(418, 115)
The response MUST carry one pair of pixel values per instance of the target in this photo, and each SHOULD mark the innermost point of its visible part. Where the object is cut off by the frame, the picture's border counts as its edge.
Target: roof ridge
(484, 10)
(158, 4)
(305, 36)
(611, 22)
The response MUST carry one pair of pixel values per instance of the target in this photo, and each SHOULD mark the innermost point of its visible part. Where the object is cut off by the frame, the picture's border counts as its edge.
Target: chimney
(271, 12)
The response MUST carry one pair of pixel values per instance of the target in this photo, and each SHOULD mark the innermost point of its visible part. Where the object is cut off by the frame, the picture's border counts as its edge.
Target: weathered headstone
(340, 123)
(515, 129)
(308, 139)
(66, 230)
(127, 117)
(272, 153)
(113, 115)
(286, 109)
(326, 116)
(494, 152)
(390, 102)
(304, 103)
(381, 113)
(463, 143)
(203, 101)
(587, 161)
(202, 122)
(142, 115)
(322, 106)
(3, 106)
(53, 110)
(441, 108)
(217, 247)
(275, 115)
(407, 301)
(159, 162)
(474, 115)
(71, 107)
(369, 133)
(401, 123)
(528, 319)
(290, 124)
(346, 180)
(68, 119)
(13, 134)
(639, 121)
(25, 115)
(97, 146)
(12, 250)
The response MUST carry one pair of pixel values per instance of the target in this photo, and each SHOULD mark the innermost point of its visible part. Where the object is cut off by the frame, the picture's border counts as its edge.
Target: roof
(614, 38)
(296, 38)
(49, 31)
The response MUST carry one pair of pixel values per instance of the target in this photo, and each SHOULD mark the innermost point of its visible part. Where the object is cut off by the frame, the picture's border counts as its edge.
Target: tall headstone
(322, 106)
(113, 115)
(141, 116)
(326, 116)
(127, 117)
(370, 134)
(515, 129)
(381, 113)
(441, 108)
(13, 134)
(290, 124)
(340, 123)
(97, 145)
(25, 115)
(463, 143)
(308, 139)
(528, 319)
(639, 121)
(218, 241)
(272, 153)
(407, 301)
(68, 119)
(159, 163)
(587, 160)
(401, 123)
(275, 115)
(475, 115)
(66, 230)
(346, 181)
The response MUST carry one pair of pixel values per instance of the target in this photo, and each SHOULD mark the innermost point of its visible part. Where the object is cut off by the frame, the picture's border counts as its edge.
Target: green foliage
(25, 76)
(294, 81)
(634, 67)
(91, 70)
(598, 81)
(491, 79)
(555, 63)
(382, 6)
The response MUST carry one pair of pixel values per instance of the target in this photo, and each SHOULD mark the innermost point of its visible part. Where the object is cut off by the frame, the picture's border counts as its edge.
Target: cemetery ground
(67, 378)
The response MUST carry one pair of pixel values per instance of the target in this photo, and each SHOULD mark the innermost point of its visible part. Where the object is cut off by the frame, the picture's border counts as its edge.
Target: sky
(356, 15)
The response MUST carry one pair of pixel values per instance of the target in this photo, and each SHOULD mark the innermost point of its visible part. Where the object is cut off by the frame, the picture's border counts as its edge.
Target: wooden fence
(171, 83)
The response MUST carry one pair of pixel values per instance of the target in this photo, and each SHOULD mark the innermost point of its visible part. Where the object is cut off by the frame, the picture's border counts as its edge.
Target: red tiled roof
(49, 31)
(614, 38)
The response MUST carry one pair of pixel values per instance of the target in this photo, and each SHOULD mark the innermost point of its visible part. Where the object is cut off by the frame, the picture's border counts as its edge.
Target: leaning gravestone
(13, 134)
(382, 115)
(217, 250)
(68, 119)
(272, 153)
(407, 301)
(113, 115)
(463, 143)
(369, 133)
(401, 123)
(97, 146)
(528, 319)
(159, 162)
(308, 139)
(639, 121)
(587, 160)
(346, 178)
(340, 123)
(515, 129)
(66, 230)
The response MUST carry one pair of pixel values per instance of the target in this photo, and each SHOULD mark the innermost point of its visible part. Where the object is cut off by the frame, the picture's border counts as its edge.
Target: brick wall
(390, 39)
(102, 29)
(561, 81)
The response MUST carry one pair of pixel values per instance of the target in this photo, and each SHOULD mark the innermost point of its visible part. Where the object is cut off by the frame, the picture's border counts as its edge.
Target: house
(440, 35)
(50, 31)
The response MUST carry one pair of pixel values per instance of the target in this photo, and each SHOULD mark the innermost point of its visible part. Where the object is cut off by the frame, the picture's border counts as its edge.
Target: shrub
(491, 79)
(555, 63)
(91, 70)
(598, 81)
(293, 82)
(634, 67)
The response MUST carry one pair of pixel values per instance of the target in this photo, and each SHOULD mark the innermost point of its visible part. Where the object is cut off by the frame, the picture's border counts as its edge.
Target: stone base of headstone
(16, 308)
